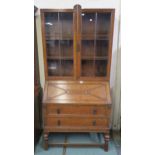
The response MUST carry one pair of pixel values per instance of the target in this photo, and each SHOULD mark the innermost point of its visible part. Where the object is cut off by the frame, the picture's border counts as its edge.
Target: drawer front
(77, 110)
(76, 122)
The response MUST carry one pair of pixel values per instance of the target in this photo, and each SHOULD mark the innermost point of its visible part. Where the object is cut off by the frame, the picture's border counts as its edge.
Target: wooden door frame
(79, 40)
(43, 11)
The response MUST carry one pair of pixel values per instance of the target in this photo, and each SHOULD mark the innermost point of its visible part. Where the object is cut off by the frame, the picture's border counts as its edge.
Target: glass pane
(101, 48)
(51, 24)
(66, 47)
(87, 68)
(54, 67)
(88, 23)
(100, 68)
(87, 48)
(67, 67)
(52, 48)
(66, 24)
(103, 23)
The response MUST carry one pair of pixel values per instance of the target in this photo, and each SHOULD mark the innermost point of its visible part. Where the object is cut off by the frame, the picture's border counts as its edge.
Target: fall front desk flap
(77, 92)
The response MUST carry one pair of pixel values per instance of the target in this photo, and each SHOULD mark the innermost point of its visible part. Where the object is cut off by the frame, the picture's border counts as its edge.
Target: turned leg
(45, 141)
(106, 140)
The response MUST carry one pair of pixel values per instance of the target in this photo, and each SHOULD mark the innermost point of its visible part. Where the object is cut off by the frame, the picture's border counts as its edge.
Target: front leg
(106, 140)
(46, 141)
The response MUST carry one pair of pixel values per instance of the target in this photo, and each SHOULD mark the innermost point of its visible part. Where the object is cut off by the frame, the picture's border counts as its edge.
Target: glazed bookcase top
(77, 43)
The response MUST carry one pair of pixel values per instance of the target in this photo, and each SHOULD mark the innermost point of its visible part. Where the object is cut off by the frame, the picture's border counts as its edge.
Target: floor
(114, 145)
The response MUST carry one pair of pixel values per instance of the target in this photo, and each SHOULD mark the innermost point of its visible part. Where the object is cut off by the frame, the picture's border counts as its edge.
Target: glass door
(87, 44)
(66, 43)
(102, 31)
(94, 44)
(59, 43)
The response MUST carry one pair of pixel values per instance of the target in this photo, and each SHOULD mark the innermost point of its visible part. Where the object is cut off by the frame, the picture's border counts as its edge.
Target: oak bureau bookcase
(77, 45)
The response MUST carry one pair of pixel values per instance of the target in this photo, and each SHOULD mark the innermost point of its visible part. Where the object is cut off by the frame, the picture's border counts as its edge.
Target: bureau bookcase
(77, 45)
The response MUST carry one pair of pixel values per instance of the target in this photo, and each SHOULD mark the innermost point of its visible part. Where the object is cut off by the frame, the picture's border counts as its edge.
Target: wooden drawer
(77, 110)
(76, 122)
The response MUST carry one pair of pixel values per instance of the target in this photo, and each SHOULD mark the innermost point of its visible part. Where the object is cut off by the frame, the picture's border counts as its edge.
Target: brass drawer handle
(58, 123)
(94, 123)
(94, 111)
(58, 111)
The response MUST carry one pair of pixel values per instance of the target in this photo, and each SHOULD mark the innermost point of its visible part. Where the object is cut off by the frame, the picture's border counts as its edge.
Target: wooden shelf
(59, 37)
(95, 58)
(95, 37)
(59, 58)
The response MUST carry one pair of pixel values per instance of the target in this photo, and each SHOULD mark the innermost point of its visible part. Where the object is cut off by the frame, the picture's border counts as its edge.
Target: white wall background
(116, 45)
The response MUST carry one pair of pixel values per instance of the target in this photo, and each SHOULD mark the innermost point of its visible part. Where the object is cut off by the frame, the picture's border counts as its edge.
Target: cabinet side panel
(44, 44)
(110, 43)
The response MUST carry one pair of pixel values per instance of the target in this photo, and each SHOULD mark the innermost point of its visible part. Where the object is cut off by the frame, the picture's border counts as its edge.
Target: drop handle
(58, 111)
(94, 123)
(58, 123)
(94, 111)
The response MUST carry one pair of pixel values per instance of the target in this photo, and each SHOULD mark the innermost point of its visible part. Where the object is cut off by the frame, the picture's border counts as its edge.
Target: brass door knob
(94, 123)
(58, 111)
(94, 111)
(58, 123)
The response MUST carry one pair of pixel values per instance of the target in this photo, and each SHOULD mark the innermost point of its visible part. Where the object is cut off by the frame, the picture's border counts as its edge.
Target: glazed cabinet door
(96, 42)
(58, 43)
